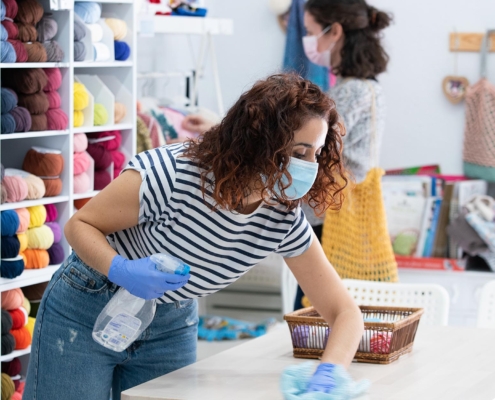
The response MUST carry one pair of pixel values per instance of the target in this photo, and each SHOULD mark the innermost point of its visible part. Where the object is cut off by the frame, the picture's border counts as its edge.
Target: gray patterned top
(353, 98)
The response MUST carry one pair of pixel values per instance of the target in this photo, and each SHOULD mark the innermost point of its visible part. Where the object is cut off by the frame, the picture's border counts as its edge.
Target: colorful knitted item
(221, 328)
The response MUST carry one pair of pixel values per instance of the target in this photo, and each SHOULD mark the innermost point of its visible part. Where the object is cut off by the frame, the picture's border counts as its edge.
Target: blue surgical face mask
(303, 175)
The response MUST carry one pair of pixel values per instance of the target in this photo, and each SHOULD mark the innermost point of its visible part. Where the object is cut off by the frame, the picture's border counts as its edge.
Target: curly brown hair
(251, 147)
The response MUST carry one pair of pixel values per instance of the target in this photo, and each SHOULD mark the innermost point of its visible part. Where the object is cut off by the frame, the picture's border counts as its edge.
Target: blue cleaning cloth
(294, 58)
(295, 379)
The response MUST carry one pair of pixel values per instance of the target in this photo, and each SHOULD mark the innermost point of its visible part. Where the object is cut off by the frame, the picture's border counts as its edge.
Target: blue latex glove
(323, 380)
(142, 279)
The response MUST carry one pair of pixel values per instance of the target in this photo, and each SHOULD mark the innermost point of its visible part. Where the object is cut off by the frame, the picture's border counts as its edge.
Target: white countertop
(446, 363)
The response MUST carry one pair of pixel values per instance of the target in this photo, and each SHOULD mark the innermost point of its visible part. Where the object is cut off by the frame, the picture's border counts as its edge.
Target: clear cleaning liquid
(126, 316)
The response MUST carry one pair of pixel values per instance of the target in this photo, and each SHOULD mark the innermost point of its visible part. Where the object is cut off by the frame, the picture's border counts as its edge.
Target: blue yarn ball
(10, 246)
(10, 223)
(8, 100)
(89, 12)
(11, 269)
(8, 124)
(3, 11)
(5, 34)
(8, 52)
(122, 50)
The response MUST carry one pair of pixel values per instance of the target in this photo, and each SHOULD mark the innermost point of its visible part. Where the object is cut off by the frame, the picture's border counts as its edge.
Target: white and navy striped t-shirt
(220, 246)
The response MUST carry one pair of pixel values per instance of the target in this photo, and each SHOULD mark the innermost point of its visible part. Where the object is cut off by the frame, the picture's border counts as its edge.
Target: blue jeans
(66, 363)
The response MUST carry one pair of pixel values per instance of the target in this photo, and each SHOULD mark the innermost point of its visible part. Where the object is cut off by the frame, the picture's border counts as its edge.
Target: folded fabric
(461, 232)
(294, 382)
(221, 328)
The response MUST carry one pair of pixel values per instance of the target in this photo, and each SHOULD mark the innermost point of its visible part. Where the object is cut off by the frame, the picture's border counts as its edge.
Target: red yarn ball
(380, 343)
(118, 159)
(19, 318)
(54, 79)
(102, 157)
(20, 50)
(113, 144)
(57, 120)
(12, 29)
(102, 179)
(11, 8)
(12, 368)
(54, 99)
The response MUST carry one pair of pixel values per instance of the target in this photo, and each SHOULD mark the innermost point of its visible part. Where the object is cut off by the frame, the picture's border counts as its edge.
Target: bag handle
(373, 145)
(485, 45)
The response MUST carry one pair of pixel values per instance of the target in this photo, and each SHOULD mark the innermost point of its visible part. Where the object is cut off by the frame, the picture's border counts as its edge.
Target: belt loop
(177, 304)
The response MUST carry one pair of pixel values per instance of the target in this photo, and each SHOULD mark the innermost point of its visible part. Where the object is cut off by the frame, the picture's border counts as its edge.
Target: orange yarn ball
(12, 299)
(36, 259)
(22, 338)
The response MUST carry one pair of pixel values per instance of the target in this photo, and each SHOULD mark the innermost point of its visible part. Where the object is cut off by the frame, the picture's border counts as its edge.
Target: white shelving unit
(13, 147)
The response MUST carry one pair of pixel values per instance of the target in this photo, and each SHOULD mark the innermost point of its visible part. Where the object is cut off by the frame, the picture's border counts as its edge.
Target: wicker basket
(382, 342)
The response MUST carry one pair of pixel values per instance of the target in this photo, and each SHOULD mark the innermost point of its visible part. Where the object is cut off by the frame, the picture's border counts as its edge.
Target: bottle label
(121, 330)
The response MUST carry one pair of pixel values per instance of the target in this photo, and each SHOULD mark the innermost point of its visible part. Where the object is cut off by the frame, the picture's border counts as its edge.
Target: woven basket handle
(485, 45)
(373, 142)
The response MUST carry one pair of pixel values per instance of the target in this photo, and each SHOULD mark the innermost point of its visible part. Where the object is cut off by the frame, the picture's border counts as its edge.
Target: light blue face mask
(303, 176)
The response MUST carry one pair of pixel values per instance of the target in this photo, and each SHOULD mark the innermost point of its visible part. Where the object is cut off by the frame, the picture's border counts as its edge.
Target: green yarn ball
(405, 243)
(8, 388)
(101, 115)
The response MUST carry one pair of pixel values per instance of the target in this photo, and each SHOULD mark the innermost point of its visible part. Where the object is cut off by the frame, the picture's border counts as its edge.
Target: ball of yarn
(17, 395)
(30, 12)
(26, 305)
(57, 119)
(57, 231)
(37, 216)
(8, 344)
(36, 258)
(36, 187)
(79, 51)
(81, 96)
(12, 30)
(120, 112)
(113, 144)
(89, 12)
(46, 29)
(79, 30)
(6, 323)
(80, 142)
(10, 246)
(56, 254)
(39, 122)
(27, 81)
(81, 162)
(23, 242)
(118, 159)
(380, 343)
(12, 299)
(20, 50)
(22, 118)
(9, 100)
(100, 115)
(9, 223)
(118, 27)
(8, 388)
(11, 8)
(24, 218)
(51, 212)
(40, 238)
(102, 179)
(122, 51)
(30, 325)
(54, 79)
(4, 35)
(27, 33)
(8, 53)
(19, 318)
(101, 52)
(16, 188)
(78, 119)
(11, 268)
(54, 99)
(36, 103)
(96, 32)
(36, 52)
(80, 203)
(54, 52)
(53, 186)
(43, 163)
(22, 338)
(8, 124)
(82, 183)
(2, 11)
(12, 368)
(101, 156)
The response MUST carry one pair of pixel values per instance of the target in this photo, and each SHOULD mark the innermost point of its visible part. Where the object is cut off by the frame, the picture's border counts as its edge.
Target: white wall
(422, 126)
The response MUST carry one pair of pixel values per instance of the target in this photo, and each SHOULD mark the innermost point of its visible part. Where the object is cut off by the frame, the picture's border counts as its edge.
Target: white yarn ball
(279, 7)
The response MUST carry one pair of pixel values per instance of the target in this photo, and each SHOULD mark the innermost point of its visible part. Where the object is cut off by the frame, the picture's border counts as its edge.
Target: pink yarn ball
(82, 183)
(380, 343)
(82, 162)
(54, 79)
(57, 120)
(80, 142)
(118, 159)
(54, 99)
(17, 188)
(51, 212)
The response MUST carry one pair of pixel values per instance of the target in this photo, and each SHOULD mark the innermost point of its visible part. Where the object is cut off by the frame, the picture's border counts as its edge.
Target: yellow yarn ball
(118, 27)
(40, 238)
(81, 97)
(120, 112)
(78, 119)
(8, 388)
(23, 240)
(27, 305)
(30, 325)
(37, 216)
(101, 115)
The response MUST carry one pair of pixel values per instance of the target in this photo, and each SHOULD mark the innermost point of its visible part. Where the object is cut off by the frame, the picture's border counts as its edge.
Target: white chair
(434, 299)
(486, 310)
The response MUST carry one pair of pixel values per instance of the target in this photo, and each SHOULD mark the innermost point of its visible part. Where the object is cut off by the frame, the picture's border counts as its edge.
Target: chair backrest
(434, 299)
(486, 310)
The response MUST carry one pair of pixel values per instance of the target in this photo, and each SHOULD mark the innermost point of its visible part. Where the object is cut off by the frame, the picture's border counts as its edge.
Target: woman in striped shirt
(220, 204)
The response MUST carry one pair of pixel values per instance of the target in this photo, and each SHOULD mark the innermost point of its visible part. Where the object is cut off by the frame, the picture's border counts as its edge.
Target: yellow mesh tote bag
(356, 239)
